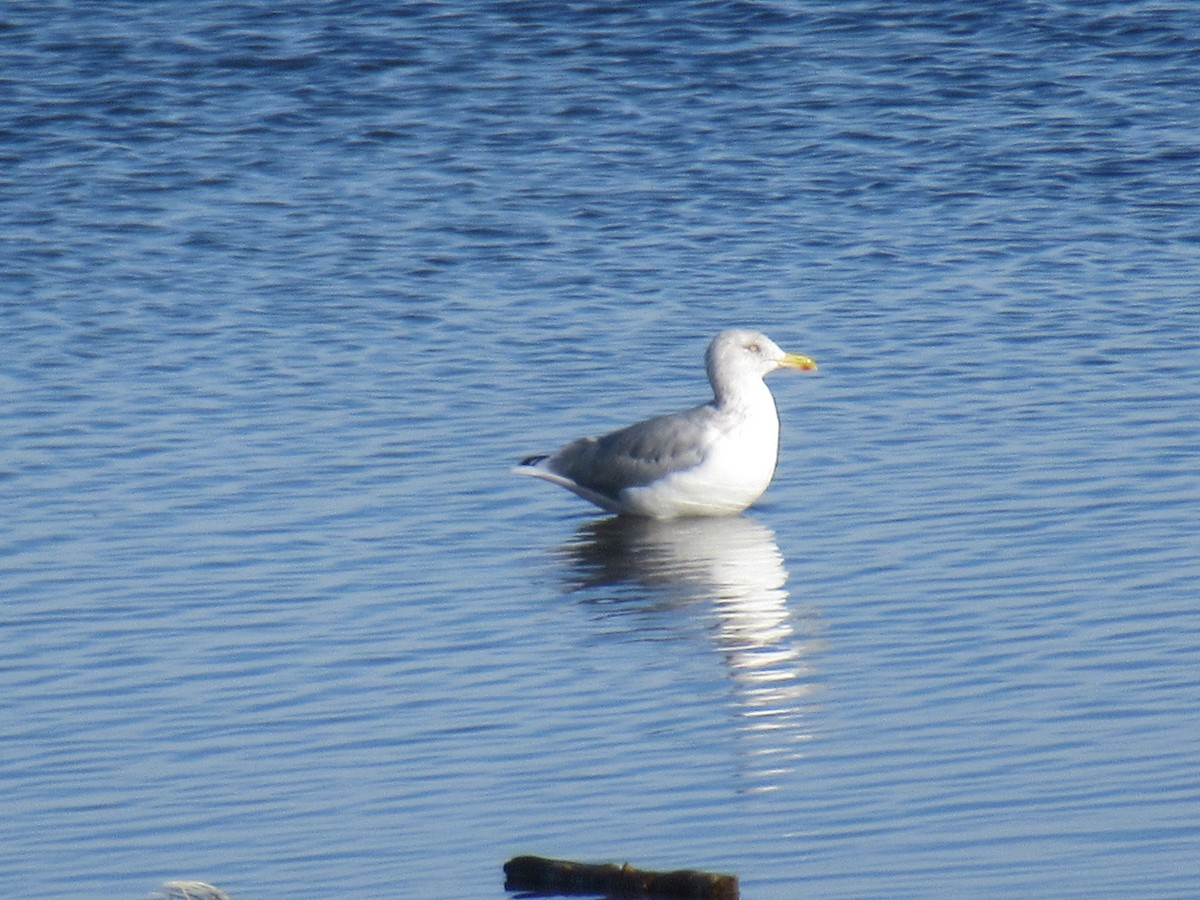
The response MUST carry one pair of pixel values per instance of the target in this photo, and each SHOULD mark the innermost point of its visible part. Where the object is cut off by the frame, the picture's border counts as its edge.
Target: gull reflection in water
(733, 565)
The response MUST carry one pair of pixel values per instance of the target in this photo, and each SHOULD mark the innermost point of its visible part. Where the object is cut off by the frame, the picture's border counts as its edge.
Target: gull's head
(741, 353)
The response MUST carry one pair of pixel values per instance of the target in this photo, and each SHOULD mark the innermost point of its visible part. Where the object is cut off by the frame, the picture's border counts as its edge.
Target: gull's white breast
(742, 451)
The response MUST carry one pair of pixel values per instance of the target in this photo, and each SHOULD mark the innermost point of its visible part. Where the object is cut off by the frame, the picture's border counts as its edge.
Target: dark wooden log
(563, 877)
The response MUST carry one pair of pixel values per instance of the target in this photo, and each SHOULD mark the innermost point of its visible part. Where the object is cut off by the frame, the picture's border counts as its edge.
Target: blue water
(285, 290)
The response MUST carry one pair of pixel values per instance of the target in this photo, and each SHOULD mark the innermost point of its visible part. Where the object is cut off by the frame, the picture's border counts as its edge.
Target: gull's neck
(743, 395)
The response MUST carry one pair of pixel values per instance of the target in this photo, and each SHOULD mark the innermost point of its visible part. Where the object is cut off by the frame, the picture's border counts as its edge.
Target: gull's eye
(755, 349)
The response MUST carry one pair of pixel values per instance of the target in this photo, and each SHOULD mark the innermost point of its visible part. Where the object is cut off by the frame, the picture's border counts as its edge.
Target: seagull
(713, 460)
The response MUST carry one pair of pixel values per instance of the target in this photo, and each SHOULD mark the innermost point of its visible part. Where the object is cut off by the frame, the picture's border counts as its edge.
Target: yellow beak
(796, 361)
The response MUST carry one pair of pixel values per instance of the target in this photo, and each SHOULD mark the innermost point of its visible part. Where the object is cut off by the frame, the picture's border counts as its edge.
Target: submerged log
(560, 876)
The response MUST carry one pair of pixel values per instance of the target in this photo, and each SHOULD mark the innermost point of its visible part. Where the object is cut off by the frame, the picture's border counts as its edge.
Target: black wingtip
(533, 460)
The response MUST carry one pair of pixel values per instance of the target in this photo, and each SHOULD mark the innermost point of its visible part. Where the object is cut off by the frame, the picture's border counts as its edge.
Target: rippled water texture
(286, 289)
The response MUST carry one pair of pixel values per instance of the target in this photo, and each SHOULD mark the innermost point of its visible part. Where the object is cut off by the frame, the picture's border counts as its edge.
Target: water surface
(284, 293)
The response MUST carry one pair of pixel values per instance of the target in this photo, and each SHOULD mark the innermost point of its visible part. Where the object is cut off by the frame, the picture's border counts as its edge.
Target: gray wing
(638, 454)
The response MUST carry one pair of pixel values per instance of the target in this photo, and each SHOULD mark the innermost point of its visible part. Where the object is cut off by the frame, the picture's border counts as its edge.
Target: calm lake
(286, 290)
